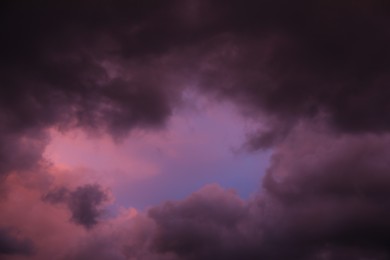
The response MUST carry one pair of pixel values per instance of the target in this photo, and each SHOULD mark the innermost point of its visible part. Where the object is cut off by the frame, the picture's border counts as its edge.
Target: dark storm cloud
(290, 58)
(331, 195)
(95, 65)
(73, 64)
(111, 66)
(84, 203)
(12, 244)
(301, 59)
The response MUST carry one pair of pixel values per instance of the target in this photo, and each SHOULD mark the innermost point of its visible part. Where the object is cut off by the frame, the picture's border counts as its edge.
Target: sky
(201, 144)
(194, 129)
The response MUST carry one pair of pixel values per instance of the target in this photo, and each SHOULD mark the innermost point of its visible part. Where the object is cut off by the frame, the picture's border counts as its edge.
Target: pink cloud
(203, 137)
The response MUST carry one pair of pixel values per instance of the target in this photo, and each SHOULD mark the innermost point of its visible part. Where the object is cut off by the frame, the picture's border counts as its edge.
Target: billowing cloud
(304, 59)
(200, 225)
(324, 197)
(330, 193)
(65, 66)
(120, 64)
(315, 73)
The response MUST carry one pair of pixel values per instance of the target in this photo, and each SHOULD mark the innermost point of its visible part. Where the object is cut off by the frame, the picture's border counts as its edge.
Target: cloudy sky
(195, 129)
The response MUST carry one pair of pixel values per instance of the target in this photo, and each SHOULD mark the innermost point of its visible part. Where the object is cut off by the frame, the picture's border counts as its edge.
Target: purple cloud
(315, 73)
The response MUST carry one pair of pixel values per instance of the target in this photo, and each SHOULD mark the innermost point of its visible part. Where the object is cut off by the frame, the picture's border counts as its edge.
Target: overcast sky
(195, 129)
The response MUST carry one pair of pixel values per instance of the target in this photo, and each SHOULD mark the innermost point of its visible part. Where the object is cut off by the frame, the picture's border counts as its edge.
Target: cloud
(196, 227)
(114, 66)
(324, 197)
(293, 61)
(209, 223)
(21, 151)
(74, 70)
(84, 203)
(120, 65)
(65, 66)
(330, 194)
(12, 244)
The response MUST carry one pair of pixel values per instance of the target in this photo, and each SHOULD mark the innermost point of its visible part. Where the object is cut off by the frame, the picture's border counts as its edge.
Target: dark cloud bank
(316, 73)
(12, 244)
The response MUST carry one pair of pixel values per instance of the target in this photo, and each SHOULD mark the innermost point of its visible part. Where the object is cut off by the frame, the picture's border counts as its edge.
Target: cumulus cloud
(326, 198)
